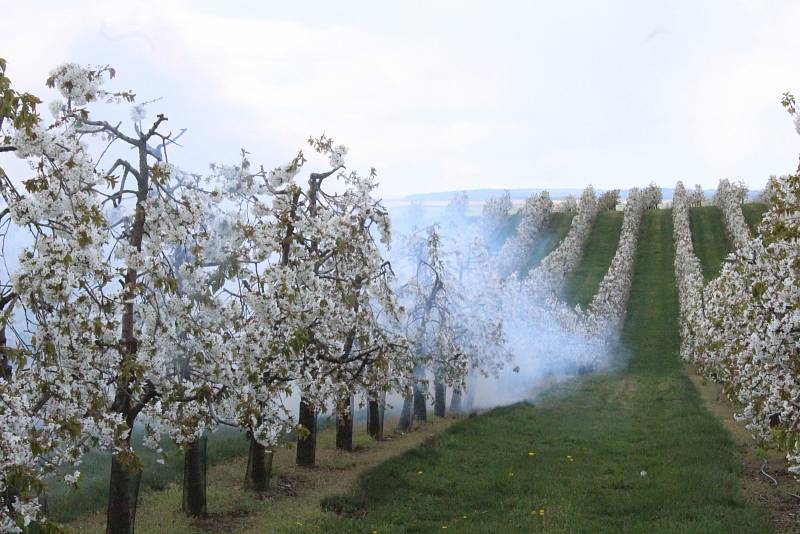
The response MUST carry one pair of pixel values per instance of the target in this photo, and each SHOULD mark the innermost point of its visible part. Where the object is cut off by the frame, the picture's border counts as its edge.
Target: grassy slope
(553, 236)
(582, 284)
(709, 239)
(590, 439)
(753, 213)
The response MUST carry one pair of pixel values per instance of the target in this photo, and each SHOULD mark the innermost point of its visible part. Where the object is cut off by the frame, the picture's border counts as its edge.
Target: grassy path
(709, 239)
(753, 213)
(582, 283)
(556, 232)
(572, 462)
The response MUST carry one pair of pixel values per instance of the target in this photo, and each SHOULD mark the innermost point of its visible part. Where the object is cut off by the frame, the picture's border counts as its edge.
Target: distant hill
(522, 194)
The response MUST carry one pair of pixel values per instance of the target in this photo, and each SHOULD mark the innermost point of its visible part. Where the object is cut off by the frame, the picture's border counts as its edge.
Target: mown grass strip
(633, 451)
(709, 239)
(753, 213)
(581, 285)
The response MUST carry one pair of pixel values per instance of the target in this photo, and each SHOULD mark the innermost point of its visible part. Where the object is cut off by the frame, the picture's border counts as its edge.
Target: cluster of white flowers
(741, 330)
(688, 273)
(535, 215)
(336, 156)
(283, 175)
(608, 305)
(729, 199)
(78, 84)
(181, 301)
(554, 268)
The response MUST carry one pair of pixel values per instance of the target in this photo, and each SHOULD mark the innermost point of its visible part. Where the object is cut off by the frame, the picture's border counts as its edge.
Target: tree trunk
(374, 426)
(195, 469)
(259, 467)
(455, 402)
(420, 408)
(404, 425)
(344, 428)
(382, 412)
(123, 493)
(440, 400)
(307, 445)
(5, 366)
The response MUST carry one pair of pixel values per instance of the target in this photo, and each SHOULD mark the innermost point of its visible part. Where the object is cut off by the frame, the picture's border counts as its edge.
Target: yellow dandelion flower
(541, 511)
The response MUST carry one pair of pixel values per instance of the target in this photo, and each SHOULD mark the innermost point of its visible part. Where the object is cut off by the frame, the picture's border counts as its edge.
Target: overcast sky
(453, 94)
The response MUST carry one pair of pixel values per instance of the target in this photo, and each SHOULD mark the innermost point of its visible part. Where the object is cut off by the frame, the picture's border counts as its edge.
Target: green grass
(709, 239)
(582, 283)
(557, 230)
(67, 504)
(753, 213)
(591, 438)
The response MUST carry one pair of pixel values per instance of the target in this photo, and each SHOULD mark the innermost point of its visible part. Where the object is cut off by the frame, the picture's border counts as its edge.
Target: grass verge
(633, 451)
(709, 239)
(582, 283)
(753, 213)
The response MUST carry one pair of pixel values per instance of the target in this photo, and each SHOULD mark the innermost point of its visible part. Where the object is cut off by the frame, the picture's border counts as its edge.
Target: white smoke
(545, 337)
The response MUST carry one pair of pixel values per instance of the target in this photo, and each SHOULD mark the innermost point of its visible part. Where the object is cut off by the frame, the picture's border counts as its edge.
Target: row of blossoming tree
(144, 295)
(742, 329)
(148, 296)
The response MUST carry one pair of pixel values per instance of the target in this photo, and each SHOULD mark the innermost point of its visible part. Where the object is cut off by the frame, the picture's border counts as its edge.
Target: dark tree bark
(5, 366)
(307, 445)
(124, 484)
(259, 467)
(382, 412)
(455, 402)
(195, 469)
(439, 399)
(374, 423)
(404, 425)
(123, 494)
(344, 428)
